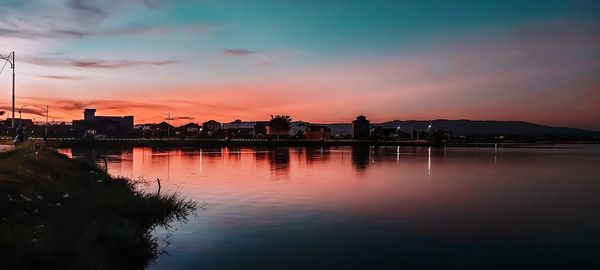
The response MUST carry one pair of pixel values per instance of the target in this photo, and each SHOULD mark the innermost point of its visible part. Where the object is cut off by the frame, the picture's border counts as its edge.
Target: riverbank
(178, 142)
(59, 213)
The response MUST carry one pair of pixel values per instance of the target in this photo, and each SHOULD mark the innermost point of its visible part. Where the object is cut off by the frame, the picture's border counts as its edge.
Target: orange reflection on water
(362, 178)
(290, 200)
(316, 176)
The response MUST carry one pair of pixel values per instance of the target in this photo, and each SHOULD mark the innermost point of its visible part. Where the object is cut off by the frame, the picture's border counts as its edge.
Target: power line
(12, 65)
(3, 66)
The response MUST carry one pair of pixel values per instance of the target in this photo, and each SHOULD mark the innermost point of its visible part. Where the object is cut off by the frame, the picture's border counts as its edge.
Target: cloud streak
(93, 63)
(26, 110)
(60, 77)
(41, 20)
(175, 118)
(86, 7)
(55, 32)
(107, 104)
(118, 64)
(237, 52)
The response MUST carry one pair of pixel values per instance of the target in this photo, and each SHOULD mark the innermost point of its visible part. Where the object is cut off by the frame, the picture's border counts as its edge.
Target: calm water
(376, 207)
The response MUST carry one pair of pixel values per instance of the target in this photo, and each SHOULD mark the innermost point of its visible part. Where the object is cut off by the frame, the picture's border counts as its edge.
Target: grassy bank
(58, 213)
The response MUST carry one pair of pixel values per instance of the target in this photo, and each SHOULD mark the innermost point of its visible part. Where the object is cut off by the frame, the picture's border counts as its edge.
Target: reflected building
(279, 159)
(234, 153)
(361, 157)
(211, 151)
(261, 154)
(317, 154)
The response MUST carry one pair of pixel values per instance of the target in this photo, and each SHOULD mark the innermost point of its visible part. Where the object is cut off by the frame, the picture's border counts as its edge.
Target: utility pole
(46, 129)
(13, 88)
(21, 119)
(168, 122)
(12, 66)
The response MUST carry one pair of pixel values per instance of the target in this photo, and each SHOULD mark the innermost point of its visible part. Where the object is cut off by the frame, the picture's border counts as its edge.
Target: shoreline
(177, 142)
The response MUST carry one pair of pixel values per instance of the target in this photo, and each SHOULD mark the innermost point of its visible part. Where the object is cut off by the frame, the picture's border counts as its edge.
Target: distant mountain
(475, 127)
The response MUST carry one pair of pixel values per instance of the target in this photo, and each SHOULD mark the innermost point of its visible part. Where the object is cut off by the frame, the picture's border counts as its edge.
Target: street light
(12, 66)
(21, 119)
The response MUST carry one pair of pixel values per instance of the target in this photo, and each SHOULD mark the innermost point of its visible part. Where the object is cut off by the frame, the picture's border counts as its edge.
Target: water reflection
(278, 159)
(429, 162)
(370, 208)
(361, 157)
(317, 154)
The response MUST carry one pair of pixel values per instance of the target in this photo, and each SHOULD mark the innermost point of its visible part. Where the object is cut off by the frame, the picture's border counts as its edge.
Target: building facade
(112, 126)
(360, 128)
(315, 133)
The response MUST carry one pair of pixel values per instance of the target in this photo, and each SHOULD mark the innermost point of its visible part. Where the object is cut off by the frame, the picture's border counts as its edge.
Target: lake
(375, 207)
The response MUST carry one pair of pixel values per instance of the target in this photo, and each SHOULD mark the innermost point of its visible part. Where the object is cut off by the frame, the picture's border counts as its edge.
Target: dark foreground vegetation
(59, 213)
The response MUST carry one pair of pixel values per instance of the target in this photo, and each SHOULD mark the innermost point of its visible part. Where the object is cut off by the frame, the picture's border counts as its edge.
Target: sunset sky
(318, 61)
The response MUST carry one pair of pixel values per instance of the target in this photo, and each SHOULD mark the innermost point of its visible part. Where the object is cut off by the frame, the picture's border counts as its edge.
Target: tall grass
(58, 213)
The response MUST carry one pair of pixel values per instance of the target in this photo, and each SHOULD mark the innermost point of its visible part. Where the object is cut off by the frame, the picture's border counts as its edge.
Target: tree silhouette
(280, 122)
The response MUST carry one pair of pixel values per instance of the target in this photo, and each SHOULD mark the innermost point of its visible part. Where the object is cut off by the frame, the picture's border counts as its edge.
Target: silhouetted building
(239, 129)
(27, 123)
(189, 130)
(315, 132)
(211, 125)
(360, 128)
(162, 129)
(277, 133)
(117, 126)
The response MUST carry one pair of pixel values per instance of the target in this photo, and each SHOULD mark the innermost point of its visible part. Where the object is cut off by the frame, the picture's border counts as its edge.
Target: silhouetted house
(276, 132)
(315, 132)
(239, 129)
(162, 129)
(360, 128)
(211, 129)
(190, 130)
(117, 126)
(143, 130)
(211, 125)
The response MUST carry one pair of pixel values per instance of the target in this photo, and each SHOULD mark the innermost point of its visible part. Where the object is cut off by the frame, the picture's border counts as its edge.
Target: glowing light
(429, 162)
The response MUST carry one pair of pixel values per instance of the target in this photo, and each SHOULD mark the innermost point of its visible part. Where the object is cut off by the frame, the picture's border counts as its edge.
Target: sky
(318, 61)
